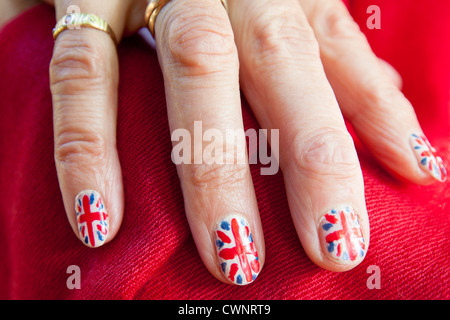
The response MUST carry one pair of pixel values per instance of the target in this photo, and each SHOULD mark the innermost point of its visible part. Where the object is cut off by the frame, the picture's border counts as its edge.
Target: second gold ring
(153, 9)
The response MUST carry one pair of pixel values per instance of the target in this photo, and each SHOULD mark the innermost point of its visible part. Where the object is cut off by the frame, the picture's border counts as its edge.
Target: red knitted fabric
(154, 256)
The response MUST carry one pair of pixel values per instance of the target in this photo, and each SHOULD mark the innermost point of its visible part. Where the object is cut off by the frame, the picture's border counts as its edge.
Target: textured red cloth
(154, 256)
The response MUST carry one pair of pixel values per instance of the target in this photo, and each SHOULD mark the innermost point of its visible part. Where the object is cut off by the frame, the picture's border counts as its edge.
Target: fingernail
(92, 218)
(236, 251)
(341, 235)
(426, 155)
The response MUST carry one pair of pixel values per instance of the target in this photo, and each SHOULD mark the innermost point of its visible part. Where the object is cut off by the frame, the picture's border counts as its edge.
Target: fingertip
(343, 239)
(92, 218)
(96, 212)
(237, 252)
(427, 158)
(411, 159)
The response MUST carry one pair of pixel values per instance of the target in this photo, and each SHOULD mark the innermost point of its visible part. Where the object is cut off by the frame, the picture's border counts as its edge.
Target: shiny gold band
(153, 9)
(82, 20)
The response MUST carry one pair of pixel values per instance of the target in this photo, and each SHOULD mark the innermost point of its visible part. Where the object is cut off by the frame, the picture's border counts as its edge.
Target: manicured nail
(341, 235)
(236, 251)
(427, 157)
(92, 218)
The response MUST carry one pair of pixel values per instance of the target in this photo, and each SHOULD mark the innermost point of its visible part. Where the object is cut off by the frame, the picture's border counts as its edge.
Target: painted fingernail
(341, 235)
(92, 218)
(426, 155)
(236, 251)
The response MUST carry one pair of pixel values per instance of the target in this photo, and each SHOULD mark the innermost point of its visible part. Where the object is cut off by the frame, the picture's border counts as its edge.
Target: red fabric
(154, 256)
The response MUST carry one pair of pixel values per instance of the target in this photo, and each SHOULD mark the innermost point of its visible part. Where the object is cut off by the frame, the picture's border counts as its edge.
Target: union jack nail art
(427, 157)
(341, 235)
(236, 251)
(92, 218)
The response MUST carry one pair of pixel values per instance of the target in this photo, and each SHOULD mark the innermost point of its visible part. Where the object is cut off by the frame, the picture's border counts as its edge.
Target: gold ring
(82, 20)
(155, 6)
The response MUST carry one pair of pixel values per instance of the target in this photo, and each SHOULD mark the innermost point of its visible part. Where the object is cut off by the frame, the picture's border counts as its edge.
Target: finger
(84, 80)
(12, 8)
(200, 67)
(283, 79)
(381, 115)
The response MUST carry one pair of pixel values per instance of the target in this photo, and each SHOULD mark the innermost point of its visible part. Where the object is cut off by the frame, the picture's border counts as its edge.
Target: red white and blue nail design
(427, 157)
(92, 218)
(236, 251)
(341, 235)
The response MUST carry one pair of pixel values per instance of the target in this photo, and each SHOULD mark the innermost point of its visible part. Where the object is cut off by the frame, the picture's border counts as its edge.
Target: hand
(284, 54)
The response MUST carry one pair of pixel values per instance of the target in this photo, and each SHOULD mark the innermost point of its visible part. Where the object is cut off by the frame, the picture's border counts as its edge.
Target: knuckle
(336, 22)
(382, 98)
(75, 146)
(382, 95)
(282, 34)
(203, 43)
(325, 151)
(219, 176)
(77, 63)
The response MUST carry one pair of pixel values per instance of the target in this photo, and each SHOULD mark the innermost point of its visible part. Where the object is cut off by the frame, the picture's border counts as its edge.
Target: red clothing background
(154, 256)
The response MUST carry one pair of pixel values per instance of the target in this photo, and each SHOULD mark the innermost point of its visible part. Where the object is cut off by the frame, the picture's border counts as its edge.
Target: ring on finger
(80, 20)
(153, 9)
